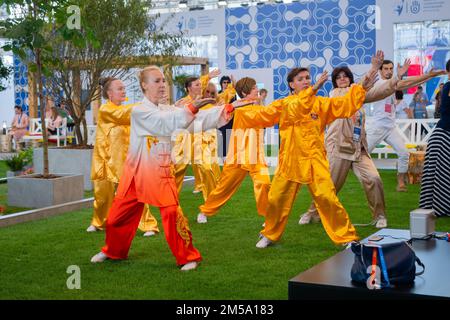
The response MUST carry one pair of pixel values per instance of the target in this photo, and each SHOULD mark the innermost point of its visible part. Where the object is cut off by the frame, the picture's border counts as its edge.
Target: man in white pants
(383, 122)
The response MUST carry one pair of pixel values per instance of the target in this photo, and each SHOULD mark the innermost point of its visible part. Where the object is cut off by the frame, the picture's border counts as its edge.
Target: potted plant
(19, 162)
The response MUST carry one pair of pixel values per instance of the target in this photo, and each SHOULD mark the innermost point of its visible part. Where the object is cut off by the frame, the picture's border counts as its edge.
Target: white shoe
(201, 218)
(149, 234)
(264, 225)
(307, 217)
(91, 228)
(189, 266)
(263, 243)
(196, 191)
(381, 222)
(99, 257)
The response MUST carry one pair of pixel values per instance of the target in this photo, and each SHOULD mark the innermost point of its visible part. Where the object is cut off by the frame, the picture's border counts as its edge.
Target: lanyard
(383, 267)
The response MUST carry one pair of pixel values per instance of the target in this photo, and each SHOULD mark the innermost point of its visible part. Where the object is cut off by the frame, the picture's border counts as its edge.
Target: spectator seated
(35, 132)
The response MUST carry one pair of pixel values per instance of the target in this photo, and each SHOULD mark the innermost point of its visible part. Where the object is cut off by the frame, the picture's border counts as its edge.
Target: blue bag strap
(383, 266)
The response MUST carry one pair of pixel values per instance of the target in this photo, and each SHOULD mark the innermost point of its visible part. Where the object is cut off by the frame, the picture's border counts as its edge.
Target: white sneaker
(263, 225)
(189, 266)
(381, 222)
(91, 228)
(201, 218)
(196, 191)
(99, 257)
(307, 217)
(263, 243)
(149, 234)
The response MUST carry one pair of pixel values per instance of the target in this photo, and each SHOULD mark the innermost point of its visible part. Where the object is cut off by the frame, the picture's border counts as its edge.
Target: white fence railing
(414, 132)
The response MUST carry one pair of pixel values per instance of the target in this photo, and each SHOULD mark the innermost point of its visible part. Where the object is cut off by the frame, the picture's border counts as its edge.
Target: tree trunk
(78, 133)
(42, 103)
(85, 132)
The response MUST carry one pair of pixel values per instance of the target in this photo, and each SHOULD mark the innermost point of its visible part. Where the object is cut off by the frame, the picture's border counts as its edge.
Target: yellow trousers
(208, 176)
(230, 180)
(198, 185)
(334, 218)
(104, 191)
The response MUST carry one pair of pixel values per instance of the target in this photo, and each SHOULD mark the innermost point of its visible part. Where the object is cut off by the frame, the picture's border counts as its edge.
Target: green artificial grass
(35, 256)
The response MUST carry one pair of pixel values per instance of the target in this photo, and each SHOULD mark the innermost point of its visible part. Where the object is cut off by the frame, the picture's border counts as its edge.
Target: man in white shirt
(383, 122)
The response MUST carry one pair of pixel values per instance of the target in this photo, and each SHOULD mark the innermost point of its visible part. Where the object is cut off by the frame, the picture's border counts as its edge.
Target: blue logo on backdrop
(415, 7)
(192, 24)
(399, 8)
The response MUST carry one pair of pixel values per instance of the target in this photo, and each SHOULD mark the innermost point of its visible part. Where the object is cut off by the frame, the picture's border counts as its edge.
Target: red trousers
(123, 221)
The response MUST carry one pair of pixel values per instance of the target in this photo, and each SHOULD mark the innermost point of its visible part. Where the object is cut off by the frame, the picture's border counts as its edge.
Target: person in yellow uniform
(302, 157)
(110, 150)
(184, 143)
(245, 153)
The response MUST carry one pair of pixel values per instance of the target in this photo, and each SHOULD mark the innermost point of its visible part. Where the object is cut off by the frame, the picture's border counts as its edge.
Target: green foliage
(5, 71)
(20, 160)
(180, 80)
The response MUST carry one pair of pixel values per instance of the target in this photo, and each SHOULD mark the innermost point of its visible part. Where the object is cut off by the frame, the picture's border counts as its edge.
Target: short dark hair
(18, 107)
(224, 78)
(399, 95)
(293, 73)
(189, 81)
(447, 66)
(338, 70)
(263, 90)
(386, 62)
(419, 87)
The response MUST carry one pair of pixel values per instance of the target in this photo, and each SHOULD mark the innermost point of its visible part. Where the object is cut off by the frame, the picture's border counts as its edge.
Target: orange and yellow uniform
(110, 151)
(245, 155)
(148, 177)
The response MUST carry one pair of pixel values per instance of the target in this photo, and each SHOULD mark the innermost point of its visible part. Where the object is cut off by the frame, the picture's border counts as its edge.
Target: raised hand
(434, 73)
(370, 79)
(233, 81)
(322, 79)
(214, 74)
(401, 70)
(203, 102)
(377, 59)
(242, 103)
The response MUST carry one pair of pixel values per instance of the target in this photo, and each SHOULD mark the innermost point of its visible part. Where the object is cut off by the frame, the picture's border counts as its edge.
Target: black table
(331, 278)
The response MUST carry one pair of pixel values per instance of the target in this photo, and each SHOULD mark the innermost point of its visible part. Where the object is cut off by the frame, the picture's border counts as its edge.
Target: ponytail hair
(105, 83)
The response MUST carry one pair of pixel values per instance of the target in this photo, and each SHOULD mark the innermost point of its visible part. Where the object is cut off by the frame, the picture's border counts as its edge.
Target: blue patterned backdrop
(320, 35)
(20, 84)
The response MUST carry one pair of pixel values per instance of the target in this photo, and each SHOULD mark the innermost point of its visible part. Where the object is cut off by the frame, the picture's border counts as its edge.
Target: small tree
(26, 28)
(123, 31)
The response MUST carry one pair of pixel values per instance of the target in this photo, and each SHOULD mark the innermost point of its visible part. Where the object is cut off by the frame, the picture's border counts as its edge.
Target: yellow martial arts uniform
(245, 155)
(203, 148)
(185, 142)
(302, 160)
(110, 151)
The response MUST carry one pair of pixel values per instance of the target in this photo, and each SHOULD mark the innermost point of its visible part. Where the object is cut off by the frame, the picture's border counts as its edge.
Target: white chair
(35, 131)
(61, 133)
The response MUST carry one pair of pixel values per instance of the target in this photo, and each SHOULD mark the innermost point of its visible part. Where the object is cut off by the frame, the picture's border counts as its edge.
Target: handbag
(383, 265)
